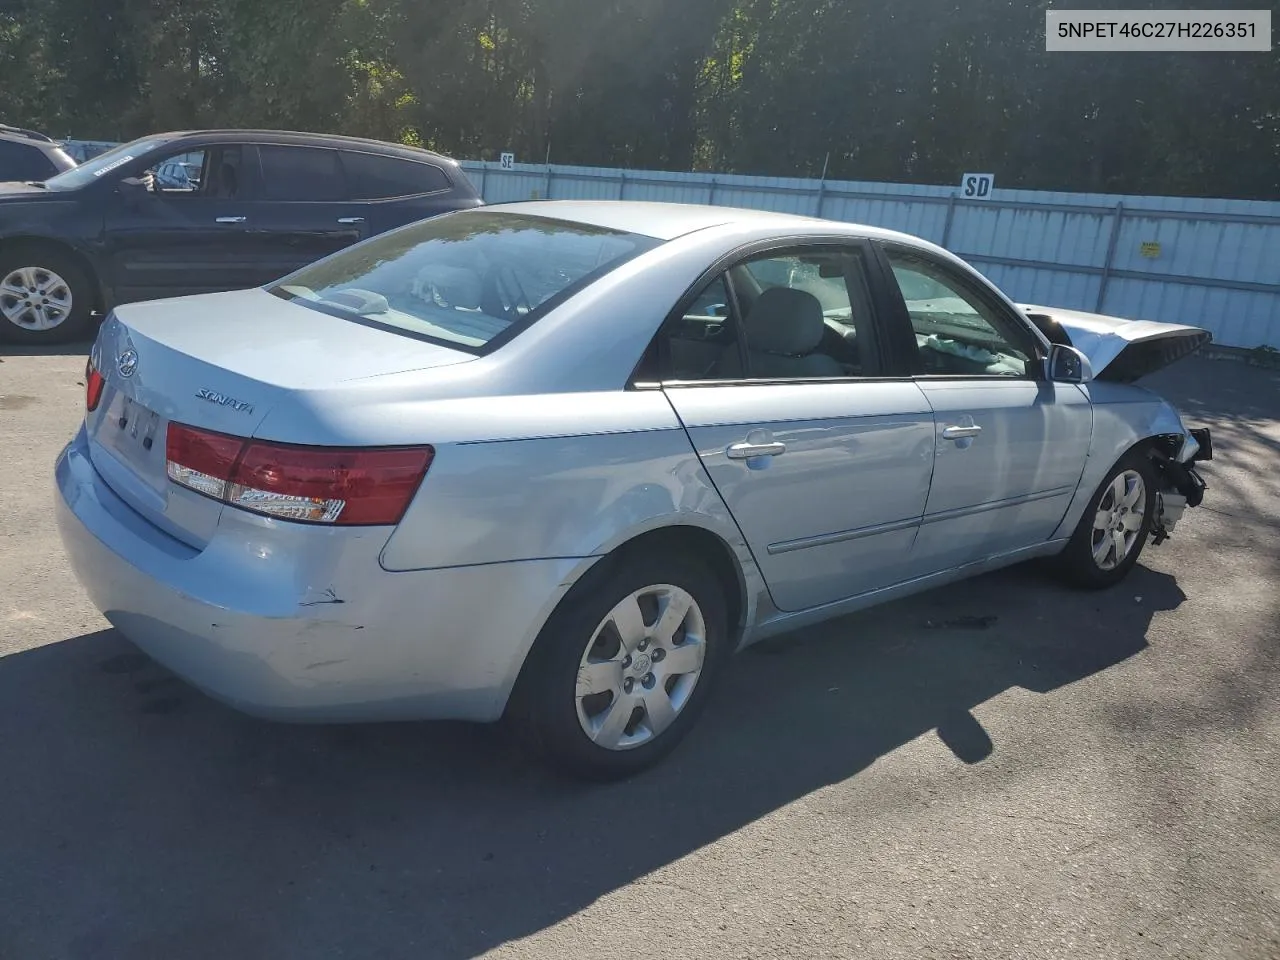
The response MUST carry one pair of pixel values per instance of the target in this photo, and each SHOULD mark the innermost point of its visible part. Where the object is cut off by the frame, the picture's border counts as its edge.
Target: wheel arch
(705, 543)
(1152, 427)
(740, 579)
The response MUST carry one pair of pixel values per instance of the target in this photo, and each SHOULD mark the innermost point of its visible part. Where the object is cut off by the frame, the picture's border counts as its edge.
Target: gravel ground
(1003, 768)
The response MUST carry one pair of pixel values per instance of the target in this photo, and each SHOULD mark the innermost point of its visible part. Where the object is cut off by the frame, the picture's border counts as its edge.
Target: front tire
(46, 296)
(622, 669)
(1115, 526)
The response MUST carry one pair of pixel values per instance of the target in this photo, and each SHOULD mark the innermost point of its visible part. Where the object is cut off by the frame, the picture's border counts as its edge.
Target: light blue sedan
(556, 461)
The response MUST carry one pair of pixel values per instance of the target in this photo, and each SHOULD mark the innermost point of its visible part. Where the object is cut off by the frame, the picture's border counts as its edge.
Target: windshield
(464, 279)
(103, 163)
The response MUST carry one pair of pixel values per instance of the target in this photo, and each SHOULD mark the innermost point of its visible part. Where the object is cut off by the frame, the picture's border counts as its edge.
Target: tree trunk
(541, 127)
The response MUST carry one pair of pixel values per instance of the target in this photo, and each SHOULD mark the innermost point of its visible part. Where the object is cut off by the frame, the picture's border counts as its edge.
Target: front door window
(956, 333)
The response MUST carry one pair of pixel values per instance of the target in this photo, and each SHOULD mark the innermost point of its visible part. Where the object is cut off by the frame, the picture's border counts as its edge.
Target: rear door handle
(748, 451)
(351, 219)
(230, 220)
(959, 433)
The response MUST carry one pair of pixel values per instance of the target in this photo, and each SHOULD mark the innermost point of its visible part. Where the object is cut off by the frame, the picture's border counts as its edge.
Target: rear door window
(374, 177)
(702, 341)
(301, 173)
(799, 316)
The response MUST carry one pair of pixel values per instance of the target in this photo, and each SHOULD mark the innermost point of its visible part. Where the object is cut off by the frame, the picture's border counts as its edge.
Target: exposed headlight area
(1180, 485)
(1198, 446)
(1190, 447)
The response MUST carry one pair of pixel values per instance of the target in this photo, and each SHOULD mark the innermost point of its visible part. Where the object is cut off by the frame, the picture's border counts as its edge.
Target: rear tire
(599, 705)
(1112, 532)
(46, 296)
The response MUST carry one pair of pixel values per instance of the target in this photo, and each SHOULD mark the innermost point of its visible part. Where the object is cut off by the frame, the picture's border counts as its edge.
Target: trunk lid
(1118, 349)
(219, 362)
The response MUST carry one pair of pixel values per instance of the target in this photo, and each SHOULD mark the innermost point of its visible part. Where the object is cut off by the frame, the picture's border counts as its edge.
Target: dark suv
(254, 206)
(27, 155)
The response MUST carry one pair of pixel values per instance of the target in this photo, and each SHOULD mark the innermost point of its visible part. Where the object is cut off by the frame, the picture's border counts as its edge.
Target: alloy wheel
(35, 298)
(1117, 524)
(640, 667)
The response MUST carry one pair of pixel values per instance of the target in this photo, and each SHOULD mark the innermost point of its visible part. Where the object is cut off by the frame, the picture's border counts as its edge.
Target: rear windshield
(471, 279)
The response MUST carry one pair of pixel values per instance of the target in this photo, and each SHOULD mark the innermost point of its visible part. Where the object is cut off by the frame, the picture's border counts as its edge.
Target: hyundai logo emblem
(127, 363)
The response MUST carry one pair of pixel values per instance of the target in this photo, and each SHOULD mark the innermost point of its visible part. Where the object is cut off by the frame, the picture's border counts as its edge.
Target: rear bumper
(299, 622)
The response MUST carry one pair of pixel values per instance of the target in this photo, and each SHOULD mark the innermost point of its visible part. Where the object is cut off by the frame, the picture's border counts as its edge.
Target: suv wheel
(45, 296)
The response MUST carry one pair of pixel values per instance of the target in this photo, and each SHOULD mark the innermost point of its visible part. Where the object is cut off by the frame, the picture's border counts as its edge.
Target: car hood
(1119, 349)
(17, 190)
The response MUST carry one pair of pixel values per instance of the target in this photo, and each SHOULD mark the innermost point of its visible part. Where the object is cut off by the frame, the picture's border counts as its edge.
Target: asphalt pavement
(1002, 768)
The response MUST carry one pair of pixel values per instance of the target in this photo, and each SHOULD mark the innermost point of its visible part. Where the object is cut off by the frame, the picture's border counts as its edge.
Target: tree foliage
(903, 92)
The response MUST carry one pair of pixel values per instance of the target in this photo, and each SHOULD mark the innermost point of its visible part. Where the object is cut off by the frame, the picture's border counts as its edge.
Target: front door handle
(230, 220)
(959, 433)
(351, 219)
(749, 451)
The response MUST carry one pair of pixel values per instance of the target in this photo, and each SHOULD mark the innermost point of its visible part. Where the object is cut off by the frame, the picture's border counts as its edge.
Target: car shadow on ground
(136, 808)
(78, 348)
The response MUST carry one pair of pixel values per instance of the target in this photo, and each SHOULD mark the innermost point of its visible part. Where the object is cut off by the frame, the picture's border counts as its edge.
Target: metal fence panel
(1024, 233)
(1048, 288)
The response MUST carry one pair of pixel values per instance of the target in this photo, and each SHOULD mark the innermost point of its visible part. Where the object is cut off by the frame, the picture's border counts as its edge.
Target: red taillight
(201, 460)
(341, 486)
(93, 384)
(344, 486)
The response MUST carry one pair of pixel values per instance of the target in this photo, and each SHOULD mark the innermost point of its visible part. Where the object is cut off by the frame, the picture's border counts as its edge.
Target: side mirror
(1068, 365)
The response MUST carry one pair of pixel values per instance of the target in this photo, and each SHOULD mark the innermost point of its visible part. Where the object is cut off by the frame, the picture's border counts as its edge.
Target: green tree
(916, 92)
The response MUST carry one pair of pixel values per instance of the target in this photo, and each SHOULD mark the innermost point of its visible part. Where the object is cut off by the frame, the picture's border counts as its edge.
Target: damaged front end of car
(1174, 457)
(1122, 351)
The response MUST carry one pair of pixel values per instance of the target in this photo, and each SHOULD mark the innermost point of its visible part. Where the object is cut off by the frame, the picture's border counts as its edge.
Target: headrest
(456, 287)
(786, 322)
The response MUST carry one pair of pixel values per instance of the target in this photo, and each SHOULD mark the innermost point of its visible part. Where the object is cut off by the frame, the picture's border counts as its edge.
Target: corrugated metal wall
(1217, 263)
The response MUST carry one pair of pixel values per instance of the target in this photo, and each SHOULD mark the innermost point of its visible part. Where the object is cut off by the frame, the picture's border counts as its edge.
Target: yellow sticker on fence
(1150, 248)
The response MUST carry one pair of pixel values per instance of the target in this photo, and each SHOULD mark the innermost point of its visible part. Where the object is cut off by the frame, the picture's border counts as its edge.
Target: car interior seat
(783, 331)
(228, 181)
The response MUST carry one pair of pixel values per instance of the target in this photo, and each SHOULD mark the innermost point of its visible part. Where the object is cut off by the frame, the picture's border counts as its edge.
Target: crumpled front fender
(1123, 417)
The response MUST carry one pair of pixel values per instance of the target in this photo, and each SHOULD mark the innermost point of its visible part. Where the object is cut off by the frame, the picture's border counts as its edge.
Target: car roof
(26, 132)
(302, 138)
(51, 149)
(28, 139)
(667, 221)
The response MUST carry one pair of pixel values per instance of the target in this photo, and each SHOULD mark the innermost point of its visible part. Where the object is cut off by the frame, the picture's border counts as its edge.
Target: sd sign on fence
(977, 186)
